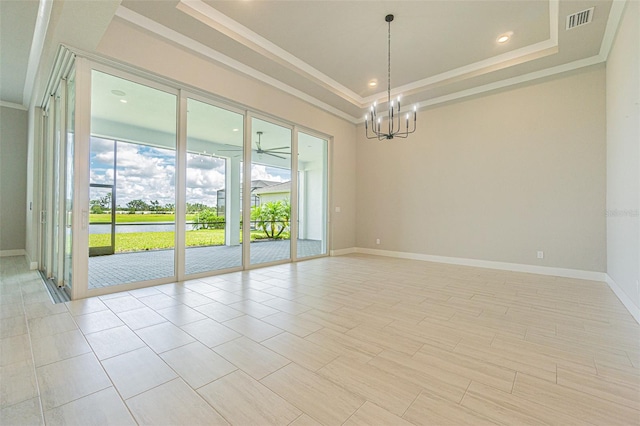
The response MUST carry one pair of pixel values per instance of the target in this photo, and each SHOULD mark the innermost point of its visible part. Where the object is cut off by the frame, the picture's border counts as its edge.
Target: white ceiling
(327, 51)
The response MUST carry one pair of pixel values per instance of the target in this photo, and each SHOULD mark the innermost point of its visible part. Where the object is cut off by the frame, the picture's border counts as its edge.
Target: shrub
(208, 219)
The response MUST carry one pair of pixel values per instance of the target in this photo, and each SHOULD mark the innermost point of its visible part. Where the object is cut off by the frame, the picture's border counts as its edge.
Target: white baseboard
(624, 298)
(17, 252)
(531, 269)
(342, 252)
(32, 265)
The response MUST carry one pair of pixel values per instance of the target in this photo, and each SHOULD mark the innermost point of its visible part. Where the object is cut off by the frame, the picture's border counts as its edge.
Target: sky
(148, 173)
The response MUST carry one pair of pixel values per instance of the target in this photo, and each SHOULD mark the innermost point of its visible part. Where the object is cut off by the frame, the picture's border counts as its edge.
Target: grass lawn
(140, 241)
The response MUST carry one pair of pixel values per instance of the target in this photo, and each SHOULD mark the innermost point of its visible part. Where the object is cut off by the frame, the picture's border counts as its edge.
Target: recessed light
(503, 38)
(373, 83)
(118, 92)
(236, 130)
(124, 101)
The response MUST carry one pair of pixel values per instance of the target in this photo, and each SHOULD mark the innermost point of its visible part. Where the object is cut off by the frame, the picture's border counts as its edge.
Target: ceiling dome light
(373, 83)
(503, 38)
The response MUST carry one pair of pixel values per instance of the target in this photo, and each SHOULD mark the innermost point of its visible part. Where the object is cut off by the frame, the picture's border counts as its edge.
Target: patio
(122, 268)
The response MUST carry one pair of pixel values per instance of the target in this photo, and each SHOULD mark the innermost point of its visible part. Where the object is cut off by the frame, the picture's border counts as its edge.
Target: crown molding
(505, 60)
(243, 35)
(222, 23)
(182, 40)
(615, 16)
(37, 45)
(491, 64)
(581, 63)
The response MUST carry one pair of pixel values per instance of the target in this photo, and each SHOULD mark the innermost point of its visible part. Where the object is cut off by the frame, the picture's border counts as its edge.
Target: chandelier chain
(389, 65)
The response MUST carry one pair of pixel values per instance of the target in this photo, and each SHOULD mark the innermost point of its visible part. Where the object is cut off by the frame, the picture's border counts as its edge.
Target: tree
(196, 207)
(99, 205)
(137, 206)
(272, 217)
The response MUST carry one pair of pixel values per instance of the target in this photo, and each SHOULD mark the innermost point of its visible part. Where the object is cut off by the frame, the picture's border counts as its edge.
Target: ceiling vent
(580, 18)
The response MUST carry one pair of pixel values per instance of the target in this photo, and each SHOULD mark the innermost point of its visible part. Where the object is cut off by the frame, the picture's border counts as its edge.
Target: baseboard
(17, 252)
(516, 267)
(624, 298)
(342, 252)
(32, 265)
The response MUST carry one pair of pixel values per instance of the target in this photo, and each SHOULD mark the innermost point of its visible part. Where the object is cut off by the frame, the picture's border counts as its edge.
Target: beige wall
(13, 178)
(497, 177)
(128, 44)
(623, 156)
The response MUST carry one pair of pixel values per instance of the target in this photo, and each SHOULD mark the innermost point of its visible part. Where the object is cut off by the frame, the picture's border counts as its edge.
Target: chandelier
(394, 116)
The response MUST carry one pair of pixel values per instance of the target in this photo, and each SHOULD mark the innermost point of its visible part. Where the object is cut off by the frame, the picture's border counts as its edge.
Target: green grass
(141, 241)
(136, 218)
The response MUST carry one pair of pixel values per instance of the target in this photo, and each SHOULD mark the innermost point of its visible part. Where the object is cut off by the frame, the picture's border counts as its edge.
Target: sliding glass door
(56, 202)
(270, 192)
(132, 182)
(146, 184)
(312, 196)
(213, 231)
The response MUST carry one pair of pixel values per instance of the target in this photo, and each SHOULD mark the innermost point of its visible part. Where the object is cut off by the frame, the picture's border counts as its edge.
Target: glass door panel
(68, 187)
(214, 160)
(58, 129)
(47, 189)
(270, 192)
(102, 219)
(133, 150)
(312, 196)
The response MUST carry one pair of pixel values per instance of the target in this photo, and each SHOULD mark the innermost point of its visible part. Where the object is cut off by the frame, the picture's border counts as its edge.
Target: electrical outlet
(377, 240)
(337, 209)
(540, 255)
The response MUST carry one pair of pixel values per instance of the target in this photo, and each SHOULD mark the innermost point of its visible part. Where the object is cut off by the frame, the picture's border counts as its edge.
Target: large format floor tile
(353, 340)
(244, 401)
(73, 378)
(173, 403)
(197, 364)
(137, 371)
(104, 407)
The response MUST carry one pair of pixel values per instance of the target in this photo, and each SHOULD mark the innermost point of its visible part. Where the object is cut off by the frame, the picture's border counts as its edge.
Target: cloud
(148, 173)
(261, 172)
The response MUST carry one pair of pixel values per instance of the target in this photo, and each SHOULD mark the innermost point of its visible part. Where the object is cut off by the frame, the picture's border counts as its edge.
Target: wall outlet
(377, 240)
(337, 209)
(540, 255)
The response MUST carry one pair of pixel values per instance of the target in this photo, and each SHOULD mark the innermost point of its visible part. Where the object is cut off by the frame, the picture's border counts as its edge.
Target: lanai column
(232, 203)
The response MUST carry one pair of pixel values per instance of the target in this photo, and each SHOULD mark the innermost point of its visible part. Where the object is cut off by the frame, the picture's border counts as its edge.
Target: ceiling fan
(271, 151)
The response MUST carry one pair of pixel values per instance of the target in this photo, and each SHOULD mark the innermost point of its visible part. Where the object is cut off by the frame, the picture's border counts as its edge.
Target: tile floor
(352, 340)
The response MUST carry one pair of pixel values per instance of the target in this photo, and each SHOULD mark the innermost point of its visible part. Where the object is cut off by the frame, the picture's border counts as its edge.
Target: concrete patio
(122, 268)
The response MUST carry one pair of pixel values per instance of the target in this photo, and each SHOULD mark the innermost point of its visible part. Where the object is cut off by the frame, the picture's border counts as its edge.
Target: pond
(126, 228)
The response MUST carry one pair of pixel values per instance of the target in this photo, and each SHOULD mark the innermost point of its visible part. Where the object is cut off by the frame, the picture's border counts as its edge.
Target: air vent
(580, 18)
